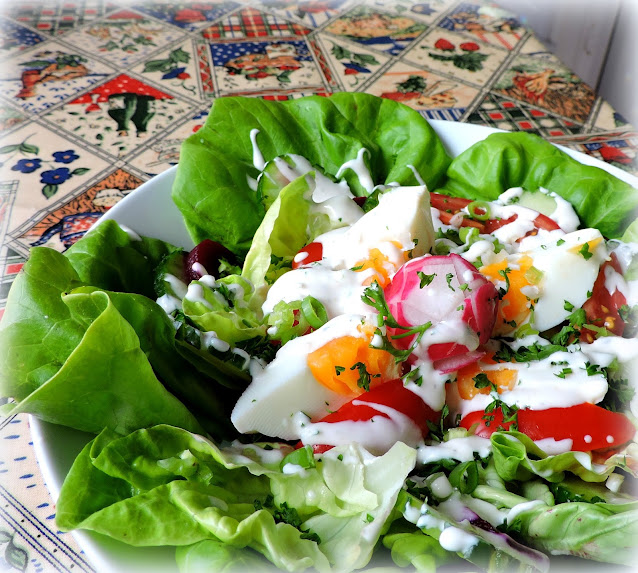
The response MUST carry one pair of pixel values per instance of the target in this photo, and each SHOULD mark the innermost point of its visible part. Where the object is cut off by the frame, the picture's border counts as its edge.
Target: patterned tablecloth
(96, 96)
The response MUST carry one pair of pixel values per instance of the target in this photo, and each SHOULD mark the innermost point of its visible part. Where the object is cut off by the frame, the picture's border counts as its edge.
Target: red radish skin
(444, 299)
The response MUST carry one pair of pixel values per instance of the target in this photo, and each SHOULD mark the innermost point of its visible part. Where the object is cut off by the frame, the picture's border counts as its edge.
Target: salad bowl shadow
(149, 210)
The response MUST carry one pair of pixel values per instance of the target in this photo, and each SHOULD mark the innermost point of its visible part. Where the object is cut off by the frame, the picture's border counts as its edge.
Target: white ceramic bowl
(150, 211)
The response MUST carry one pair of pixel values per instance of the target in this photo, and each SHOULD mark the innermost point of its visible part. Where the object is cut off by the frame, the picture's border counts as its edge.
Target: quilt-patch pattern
(96, 97)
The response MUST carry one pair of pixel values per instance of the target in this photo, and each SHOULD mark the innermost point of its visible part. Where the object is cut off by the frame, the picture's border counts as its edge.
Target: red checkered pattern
(250, 23)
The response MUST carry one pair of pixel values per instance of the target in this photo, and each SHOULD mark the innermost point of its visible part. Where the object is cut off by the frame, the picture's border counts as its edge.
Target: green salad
(376, 354)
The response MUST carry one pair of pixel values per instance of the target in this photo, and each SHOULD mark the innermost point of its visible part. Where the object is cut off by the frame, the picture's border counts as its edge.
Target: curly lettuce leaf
(75, 355)
(209, 395)
(212, 189)
(505, 160)
(212, 555)
(349, 540)
(222, 310)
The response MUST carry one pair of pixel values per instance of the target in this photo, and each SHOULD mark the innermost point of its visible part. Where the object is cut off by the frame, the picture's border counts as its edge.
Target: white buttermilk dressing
(558, 381)
(339, 208)
(360, 169)
(515, 511)
(459, 449)
(564, 215)
(605, 349)
(319, 282)
(614, 281)
(169, 303)
(457, 540)
(417, 175)
(179, 287)
(210, 339)
(377, 435)
(258, 158)
(199, 269)
(431, 389)
(553, 447)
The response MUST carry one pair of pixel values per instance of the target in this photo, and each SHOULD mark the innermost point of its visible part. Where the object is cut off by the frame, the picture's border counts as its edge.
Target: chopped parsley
(364, 376)
(584, 250)
(413, 376)
(535, 351)
(482, 381)
(510, 413)
(424, 279)
(504, 272)
(339, 370)
(374, 297)
(285, 514)
(564, 372)
(437, 430)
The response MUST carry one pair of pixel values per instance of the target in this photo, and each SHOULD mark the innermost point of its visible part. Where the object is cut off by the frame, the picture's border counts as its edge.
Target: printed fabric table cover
(97, 95)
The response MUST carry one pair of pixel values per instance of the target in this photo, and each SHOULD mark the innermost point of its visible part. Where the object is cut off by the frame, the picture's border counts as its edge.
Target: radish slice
(443, 290)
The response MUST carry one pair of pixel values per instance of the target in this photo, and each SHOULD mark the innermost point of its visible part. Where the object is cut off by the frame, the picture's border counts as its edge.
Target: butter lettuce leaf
(113, 259)
(517, 457)
(181, 489)
(597, 531)
(212, 189)
(80, 356)
(505, 160)
(107, 380)
(281, 234)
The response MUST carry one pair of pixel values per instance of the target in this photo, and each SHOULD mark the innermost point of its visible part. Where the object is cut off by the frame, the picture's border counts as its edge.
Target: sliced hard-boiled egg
(400, 223)
(372, 249)
(569, 272)
(550, 280)
(313, 375)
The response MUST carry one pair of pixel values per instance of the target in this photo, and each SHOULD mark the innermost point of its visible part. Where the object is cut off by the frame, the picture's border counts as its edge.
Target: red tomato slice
(590, 427)
(314, 253)
(602, 307)
(392, 394)
(449, 206)
(541, 222)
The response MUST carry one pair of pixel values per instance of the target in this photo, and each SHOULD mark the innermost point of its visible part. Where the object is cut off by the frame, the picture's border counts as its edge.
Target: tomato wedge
(313, 253)
(392, 394)
(602, 308)
(590, 427)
